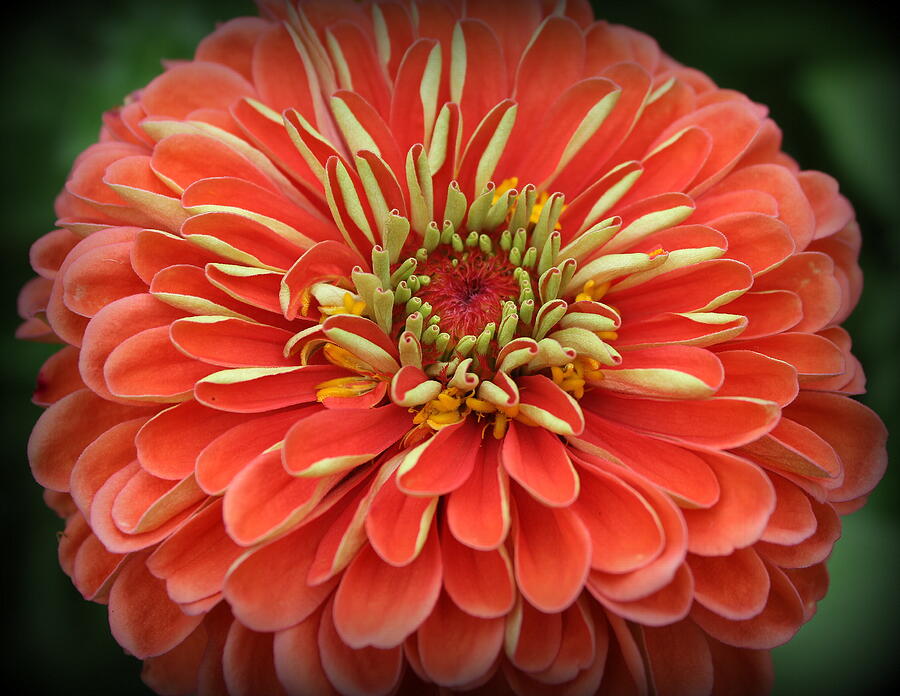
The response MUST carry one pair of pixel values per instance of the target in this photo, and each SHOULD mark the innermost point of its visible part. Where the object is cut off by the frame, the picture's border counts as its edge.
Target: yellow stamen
(350, 305)
(591, 291)
(344, 358)
(501, 422)
(446, 403)
(480, 406)
(446, 417)
(608, 335)
(344, 387)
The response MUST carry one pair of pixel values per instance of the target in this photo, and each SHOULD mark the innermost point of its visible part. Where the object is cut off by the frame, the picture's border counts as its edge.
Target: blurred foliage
(827, 70)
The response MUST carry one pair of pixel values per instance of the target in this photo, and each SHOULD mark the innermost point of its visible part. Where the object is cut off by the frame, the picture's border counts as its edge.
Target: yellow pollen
(656, 252)
(453, 406)
(344, 358)
(591, 291)
(607, 335)
(344, 387)
(501, 422)
(575, 376)
(350, 305)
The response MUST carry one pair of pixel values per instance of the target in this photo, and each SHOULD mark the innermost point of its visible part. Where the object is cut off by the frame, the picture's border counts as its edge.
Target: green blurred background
(829, 73)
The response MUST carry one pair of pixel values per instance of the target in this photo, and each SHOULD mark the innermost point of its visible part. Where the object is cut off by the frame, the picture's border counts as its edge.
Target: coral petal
(538, 530)
(267, 587)
(142, 617)
(734, 586)
(537, 460)
(368, 671)
(330, 441)
(455, 648)
(248, 663)
(679, 660)
(479, 582)
(380, 605)
(625, 531)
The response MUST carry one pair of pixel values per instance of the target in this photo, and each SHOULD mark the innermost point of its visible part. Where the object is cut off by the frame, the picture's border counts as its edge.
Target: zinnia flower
(446, 344)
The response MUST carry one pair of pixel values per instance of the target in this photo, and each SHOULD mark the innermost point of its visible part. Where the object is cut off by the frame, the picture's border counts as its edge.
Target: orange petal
(365, 670)
(701, 286)
(811, 276)
(479, 582)
(142, 618)
(734, 586)
(194, 560)
(760, 241)
(444, 462)
(48, 253)
(379, 605)
(456, 648)
(482, 86)
(65, 429)
(175, 672)
(677, 372)
(542, 533)
(231, 342)
(667, 605)
(658, 573)
(752, 374)
(814, 549)
(94, 568)
(791, 448)
(860, 441)
(111, 326)
(719, 422)
(398, 524)
(332, 440)
(625, 531)
(146, 502)
(147, 366)
(537, 460)
(264, 499)
(746, 501)
(533, 637)
(98, 277)
(154, 250)
(794, 209)
(670, 328)
(675, 469)
(740, 672)
(252, 390)
(478, 511)
(541, 400)
(189, 86)
(813, 356)
(775, 625)
(248, 663)
(243, 234)
(583, 644)
(169, 443)
(297, 662)
(229, 452)
(267, 588)
(768, 313)
(58, 377)
(679, 660)
(793, 520)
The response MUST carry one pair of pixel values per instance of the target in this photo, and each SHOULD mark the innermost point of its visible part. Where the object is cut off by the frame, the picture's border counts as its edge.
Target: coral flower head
(420, 345)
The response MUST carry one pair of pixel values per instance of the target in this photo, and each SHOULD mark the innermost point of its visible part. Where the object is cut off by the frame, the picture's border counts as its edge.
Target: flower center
(468, 290)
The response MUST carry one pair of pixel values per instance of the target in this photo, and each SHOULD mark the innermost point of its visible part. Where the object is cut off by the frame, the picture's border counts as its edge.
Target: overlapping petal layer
(423, 345)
